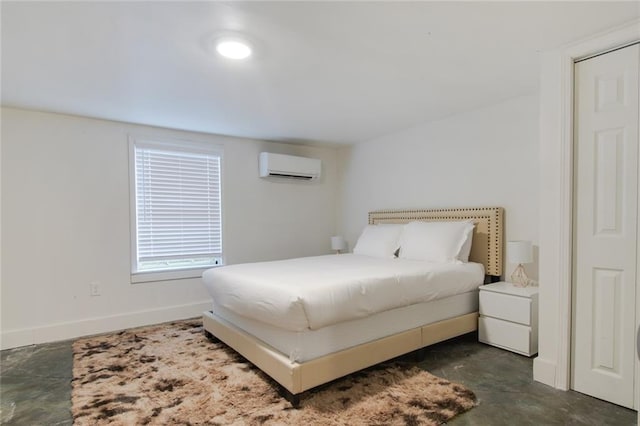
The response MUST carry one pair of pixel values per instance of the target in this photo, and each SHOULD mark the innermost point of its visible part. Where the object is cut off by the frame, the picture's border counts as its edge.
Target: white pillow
(379, 241)
(465, 251)
(435, 241)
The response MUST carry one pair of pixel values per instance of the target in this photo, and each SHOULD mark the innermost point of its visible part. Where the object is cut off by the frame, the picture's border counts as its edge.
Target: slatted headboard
(487, 242)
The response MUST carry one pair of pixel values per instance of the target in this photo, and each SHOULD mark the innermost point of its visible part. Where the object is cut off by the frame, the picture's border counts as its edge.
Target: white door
(606, 225)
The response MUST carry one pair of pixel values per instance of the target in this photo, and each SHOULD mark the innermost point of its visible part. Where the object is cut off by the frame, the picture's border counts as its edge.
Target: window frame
(170, 144)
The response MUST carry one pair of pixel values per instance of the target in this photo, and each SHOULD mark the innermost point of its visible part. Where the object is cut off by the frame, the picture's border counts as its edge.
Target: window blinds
(178, 208)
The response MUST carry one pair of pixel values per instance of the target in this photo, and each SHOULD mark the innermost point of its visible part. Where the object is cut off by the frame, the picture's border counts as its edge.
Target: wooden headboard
(487, 242)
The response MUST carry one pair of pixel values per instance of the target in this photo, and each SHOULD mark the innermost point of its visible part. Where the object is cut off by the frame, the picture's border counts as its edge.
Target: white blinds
(178, 209)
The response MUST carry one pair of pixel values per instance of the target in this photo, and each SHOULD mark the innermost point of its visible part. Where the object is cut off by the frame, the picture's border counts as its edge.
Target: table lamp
(338, 244)
(520, 252)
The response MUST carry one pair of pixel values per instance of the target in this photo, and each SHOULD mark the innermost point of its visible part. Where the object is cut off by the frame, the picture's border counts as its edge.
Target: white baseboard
(86, 327)
(544, 371)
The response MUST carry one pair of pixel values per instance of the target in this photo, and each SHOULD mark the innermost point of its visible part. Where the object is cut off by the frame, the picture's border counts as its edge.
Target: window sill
(179, 274)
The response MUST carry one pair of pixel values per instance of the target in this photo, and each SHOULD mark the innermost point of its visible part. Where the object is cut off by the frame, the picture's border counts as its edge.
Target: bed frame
(297, 377)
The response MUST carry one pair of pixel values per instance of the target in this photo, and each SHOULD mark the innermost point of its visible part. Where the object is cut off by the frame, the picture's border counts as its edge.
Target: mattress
(306, 345)
(315, 292)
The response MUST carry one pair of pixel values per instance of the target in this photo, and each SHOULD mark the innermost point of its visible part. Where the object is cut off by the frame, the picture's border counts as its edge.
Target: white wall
(65, 223)
(487, 157)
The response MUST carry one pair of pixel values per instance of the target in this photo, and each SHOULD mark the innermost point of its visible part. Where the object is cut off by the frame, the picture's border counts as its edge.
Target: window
(176, 209)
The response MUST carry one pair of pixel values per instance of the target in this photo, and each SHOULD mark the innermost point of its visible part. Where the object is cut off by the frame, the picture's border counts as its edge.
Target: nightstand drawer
(505, 334)
(507, 307)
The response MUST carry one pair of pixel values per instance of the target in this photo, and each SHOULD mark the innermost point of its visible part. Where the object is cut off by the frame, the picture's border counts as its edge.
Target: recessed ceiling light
(233, 48)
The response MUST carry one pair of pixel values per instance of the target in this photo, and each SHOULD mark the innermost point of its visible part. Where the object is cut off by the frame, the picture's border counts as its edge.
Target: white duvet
(314, 292)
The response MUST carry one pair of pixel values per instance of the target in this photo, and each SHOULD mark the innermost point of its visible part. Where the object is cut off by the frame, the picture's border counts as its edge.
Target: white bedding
(301, 346)
(315, 292)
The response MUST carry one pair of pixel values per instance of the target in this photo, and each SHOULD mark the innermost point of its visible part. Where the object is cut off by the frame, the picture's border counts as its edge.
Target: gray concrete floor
(35, 387)
(507, 395)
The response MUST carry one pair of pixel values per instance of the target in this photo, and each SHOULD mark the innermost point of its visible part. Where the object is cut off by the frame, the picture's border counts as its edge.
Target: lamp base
(519, 278)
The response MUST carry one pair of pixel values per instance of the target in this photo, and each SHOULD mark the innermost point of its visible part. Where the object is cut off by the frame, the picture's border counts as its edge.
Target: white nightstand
(509, 317)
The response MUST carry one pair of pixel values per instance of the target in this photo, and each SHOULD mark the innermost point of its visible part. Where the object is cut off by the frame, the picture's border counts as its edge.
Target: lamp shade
(520, 252)
(338, 243)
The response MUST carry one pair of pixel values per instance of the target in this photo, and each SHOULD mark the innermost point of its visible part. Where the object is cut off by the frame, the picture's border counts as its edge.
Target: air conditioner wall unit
(289, 166)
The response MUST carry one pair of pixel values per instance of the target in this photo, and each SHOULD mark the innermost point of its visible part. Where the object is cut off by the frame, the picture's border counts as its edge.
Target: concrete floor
(35, 387)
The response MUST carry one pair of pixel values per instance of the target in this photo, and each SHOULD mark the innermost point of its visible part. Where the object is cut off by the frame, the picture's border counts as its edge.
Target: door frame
(552, 366)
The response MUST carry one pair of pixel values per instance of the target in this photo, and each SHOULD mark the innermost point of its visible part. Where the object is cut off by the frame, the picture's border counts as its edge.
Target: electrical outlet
(94, 288)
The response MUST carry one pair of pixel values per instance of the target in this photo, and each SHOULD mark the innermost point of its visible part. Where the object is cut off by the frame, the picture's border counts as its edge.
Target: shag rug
(172, 374)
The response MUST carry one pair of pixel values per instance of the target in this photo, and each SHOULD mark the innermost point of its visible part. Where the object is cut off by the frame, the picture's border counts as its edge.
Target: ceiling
(336, 72)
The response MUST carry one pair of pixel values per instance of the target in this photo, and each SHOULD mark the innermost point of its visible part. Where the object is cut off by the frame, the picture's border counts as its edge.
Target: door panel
(608, 177)
(606, 226)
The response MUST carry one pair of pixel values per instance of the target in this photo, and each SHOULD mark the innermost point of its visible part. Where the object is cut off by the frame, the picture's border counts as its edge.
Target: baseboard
(544, 371)
(73, 329)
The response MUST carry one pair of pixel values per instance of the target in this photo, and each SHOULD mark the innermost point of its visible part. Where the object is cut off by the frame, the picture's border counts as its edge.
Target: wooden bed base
(297, 377)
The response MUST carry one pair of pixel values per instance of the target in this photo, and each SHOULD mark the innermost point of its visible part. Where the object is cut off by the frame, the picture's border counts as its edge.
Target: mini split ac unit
(289, 166)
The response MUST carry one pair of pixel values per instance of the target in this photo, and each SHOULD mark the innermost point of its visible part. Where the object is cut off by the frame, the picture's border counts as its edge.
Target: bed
(301, 345)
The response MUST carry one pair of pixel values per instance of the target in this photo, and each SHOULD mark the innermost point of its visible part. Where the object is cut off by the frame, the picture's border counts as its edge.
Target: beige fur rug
(171, 374)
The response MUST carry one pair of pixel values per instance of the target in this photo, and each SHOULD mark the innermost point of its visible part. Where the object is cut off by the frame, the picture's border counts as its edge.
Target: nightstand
(509, 317)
